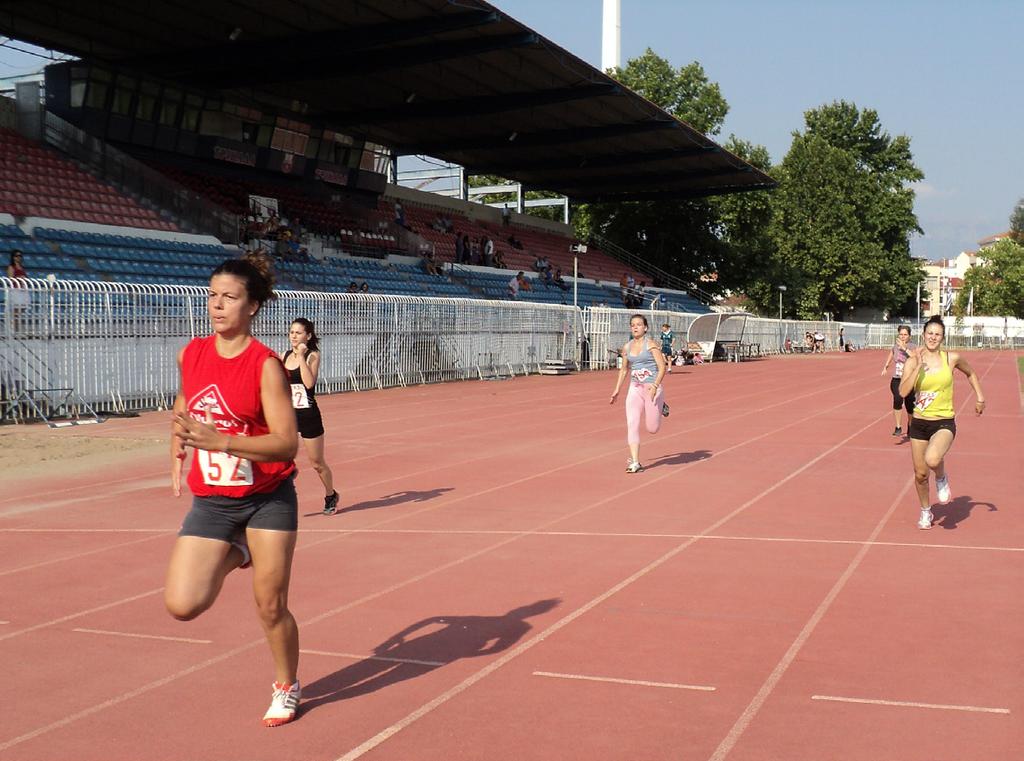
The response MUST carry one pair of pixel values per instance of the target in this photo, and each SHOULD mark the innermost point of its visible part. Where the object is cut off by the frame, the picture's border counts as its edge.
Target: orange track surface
(760, 592)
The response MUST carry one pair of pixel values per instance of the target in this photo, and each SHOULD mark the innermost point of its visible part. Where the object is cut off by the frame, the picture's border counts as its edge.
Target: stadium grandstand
(310, 134)
(181, 134)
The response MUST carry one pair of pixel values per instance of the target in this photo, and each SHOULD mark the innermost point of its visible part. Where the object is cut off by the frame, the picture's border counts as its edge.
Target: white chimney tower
(611, 54)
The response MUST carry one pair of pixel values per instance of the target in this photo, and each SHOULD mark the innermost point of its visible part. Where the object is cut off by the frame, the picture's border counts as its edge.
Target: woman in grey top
(643, 360)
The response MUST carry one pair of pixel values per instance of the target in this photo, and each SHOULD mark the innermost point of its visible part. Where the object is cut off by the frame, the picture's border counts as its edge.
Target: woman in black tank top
(302, 363)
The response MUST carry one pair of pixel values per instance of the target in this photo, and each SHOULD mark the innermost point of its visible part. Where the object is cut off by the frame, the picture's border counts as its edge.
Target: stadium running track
(498, 587)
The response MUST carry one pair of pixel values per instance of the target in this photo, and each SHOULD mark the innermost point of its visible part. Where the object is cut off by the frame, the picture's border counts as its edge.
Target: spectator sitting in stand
(515, 242)
(281, 248)
(364, 288)
(430, 261)
(549, 278)
(557, 280)
(541, 264)
(399, 214)
(499, 260)
(352, 287)
(513, 287)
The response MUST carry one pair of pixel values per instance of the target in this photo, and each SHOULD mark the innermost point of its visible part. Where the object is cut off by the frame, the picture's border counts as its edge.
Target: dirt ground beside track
(28, 451)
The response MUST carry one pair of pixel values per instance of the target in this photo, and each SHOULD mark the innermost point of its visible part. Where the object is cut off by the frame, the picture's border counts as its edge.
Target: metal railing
(115, 344)
(664, 278)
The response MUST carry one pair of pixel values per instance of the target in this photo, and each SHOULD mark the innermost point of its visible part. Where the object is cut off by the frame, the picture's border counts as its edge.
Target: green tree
(998, 284)
(747, 261)
(843, 214)
(686, 92)
(1017, 222)
(679, 236)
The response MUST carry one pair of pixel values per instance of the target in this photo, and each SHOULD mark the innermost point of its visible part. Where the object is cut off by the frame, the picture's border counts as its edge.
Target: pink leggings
(640, 407)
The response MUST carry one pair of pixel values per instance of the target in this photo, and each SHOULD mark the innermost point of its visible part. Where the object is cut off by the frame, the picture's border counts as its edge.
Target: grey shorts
(224, 518)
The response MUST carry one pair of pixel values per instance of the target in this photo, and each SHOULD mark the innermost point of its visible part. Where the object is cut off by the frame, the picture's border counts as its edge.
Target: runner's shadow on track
(679, 458)
(441, 640)
(948, 516)
(390, 500)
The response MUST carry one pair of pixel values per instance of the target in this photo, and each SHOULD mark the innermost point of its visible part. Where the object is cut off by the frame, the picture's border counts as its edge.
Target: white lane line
(908, 704)
(647, 481)
(646, 535)
(145, 636)
(637, 682)
(419, 577)
(755, 705)
(516, 651)
(79, 614)
(5, 622)
(96, 551)
(86, 530)
(516, 532)
(356, 657)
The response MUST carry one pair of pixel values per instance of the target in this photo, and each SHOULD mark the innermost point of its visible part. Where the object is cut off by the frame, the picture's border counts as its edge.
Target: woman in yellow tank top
(929, 374)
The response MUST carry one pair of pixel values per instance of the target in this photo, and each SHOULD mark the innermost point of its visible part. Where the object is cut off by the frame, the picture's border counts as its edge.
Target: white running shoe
(925, 521)
(283, 705)
(942, 487)
(634, 467)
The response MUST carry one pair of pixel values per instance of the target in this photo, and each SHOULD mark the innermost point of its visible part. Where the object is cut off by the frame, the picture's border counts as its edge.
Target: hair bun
(263, 264)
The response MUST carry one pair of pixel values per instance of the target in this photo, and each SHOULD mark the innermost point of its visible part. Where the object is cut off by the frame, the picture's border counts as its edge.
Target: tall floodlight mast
(611, 54)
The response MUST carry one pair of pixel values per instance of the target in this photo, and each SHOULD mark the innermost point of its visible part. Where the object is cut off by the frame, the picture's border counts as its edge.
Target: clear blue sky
(947, 73)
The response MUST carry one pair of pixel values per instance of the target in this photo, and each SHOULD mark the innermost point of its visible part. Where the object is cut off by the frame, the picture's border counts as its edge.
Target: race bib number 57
(223, 469)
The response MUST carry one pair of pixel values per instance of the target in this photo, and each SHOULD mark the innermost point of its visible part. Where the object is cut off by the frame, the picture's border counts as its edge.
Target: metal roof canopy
(717, 326)
(457, 80)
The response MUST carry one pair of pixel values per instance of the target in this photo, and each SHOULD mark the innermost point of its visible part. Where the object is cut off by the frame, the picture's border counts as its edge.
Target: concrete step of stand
(557, 367)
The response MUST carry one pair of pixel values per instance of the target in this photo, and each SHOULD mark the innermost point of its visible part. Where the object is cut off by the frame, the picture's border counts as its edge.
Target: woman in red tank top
(234, 411)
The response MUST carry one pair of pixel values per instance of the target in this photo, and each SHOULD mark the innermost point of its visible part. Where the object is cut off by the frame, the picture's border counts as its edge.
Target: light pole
(782, 339)
(576, 249)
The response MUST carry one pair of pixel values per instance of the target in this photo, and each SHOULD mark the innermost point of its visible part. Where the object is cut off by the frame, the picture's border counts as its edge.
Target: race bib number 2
(223, 469)
(300, 400)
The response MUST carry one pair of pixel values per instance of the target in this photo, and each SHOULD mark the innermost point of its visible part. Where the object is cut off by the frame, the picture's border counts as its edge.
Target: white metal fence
(115, 343)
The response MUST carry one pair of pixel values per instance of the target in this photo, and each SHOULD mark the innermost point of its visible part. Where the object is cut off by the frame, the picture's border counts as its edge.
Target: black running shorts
(923, 430)
(901, 401)
(222, 518)
(309, 422)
